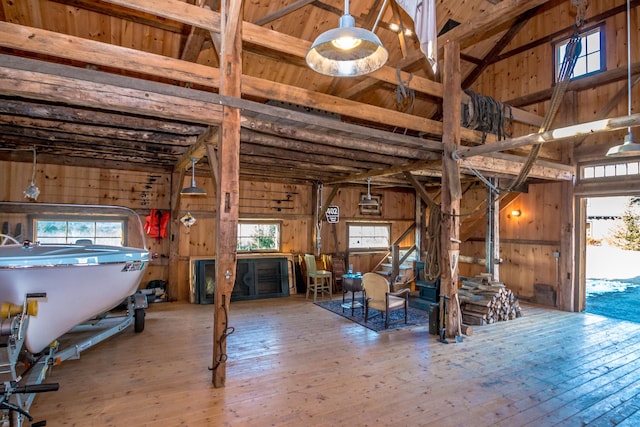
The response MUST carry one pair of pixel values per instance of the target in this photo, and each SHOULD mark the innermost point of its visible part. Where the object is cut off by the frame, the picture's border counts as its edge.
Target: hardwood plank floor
(291, 363)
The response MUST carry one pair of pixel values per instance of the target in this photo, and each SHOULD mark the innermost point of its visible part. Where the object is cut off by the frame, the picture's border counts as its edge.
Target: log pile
(483, 301)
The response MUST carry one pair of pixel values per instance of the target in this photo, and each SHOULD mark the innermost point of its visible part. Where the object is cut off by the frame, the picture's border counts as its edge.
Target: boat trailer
(19, 390)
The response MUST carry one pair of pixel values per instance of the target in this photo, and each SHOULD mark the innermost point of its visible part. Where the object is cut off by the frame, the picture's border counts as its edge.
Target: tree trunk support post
(228, 185)
(451, 191)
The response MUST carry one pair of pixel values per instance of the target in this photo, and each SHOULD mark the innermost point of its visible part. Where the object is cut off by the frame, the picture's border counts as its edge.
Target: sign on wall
(333, 214)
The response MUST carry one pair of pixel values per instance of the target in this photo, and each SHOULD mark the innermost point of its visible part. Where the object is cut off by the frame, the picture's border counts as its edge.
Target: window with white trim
(592, 55)
(610, 170)
(100, 232)
(369, 235)
(259, 236)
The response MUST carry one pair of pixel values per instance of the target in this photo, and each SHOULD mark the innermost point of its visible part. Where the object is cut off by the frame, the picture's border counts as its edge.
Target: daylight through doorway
(613, 257)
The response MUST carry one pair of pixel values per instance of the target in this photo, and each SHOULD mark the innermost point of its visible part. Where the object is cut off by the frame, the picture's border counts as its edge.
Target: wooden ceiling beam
(88, 88)
(574, 131)
(302, 158)
(485, 24)
(290, 8)
(67, 85)
(89, 162)
(337, 140)
(520, 22)
(97, 132)
(255, 34)
(74, 146)
(42, 110)
(564, 32)
(51, 43)
(312, 148)
(125, 13)
(394, 170)
(584, 83)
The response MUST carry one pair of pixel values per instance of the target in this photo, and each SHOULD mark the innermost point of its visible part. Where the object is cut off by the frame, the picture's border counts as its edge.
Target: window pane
(51, 229)
(588, 172)
(593, 63)
(82, 230)
(593, 43)
(590, 58)
(369, 236)
(98, 232)
(580, 67)
(258, 236)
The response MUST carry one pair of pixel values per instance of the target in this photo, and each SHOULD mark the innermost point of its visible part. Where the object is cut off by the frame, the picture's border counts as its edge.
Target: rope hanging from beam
(487, 115)
(405, 97)
(572, 52)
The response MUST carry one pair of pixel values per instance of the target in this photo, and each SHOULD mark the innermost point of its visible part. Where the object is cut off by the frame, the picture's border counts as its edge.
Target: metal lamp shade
(193, 190)
(367, 54)
(368, 202)
(627, 149)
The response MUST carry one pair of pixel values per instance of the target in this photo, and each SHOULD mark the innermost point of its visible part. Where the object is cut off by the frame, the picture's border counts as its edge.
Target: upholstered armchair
(379, 297)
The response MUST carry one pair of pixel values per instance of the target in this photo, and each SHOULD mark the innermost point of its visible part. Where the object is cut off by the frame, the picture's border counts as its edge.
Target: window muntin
(369, 236)
(592, 56)
(610, 170)
(259, 236)
(100, 232)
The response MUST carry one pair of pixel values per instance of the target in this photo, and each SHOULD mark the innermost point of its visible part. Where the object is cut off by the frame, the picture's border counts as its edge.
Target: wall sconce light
(516, 212)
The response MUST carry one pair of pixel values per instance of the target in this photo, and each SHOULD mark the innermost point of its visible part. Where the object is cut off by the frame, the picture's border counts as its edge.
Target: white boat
(71, 282)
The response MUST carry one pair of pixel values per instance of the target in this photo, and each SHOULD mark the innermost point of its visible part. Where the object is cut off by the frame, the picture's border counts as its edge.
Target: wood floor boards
(292, 363)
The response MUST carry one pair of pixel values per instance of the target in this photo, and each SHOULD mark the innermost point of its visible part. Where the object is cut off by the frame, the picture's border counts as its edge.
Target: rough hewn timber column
(228, 185)
(451, 192)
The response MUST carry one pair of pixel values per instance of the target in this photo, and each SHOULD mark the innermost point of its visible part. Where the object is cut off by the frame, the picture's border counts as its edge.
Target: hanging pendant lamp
(629, 147)
(368, 202)
(346, 51)
(32, 191)
(193, 190)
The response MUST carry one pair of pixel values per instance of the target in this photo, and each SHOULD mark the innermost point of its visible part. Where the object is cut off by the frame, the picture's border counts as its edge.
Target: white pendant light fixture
(346, 51)
(193, 190)
(628, 148)
(368, 202)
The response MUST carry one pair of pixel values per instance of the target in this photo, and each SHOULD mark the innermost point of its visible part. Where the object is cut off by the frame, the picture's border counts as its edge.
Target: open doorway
(613, 257)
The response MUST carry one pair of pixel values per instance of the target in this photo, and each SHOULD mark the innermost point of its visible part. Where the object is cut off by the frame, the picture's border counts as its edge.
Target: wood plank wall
(258, 201)
(532, 71)
(527, 242)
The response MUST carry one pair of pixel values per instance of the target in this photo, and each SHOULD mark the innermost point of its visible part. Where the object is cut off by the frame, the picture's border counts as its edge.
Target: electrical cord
(222, 358)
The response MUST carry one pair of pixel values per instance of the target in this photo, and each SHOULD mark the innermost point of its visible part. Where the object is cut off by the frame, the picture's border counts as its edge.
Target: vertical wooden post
(451, 192)
(177, 178)
(228, 185)
(492, 248)
(570, 296)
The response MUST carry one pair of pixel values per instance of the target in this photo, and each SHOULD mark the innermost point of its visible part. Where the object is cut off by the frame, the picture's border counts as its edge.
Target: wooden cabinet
(255, 278)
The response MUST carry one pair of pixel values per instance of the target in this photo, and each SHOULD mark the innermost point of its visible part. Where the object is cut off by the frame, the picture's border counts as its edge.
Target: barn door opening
(612, 257)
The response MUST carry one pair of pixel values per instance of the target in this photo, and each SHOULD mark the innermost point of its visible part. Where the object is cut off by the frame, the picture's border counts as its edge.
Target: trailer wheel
(138, 315)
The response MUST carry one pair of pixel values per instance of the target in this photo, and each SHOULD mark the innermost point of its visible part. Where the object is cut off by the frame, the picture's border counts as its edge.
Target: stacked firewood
(483, 301)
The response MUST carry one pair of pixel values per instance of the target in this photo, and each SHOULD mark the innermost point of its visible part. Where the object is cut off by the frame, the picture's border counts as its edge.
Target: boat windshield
(70, 224)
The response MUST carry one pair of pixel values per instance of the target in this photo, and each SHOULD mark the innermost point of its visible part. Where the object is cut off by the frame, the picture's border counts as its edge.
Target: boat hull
(77, 283)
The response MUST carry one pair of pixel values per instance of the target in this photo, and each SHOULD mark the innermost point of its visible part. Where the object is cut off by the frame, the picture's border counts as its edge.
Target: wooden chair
(338, 270)
(378, 297)
(317, 280)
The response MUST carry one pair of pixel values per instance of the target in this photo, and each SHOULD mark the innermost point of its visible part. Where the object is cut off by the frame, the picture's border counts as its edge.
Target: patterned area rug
(415, 317)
